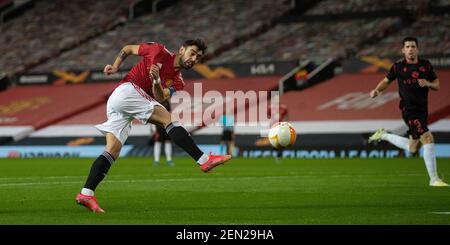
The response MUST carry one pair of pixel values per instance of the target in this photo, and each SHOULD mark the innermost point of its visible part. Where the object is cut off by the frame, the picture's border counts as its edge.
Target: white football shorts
(127, 102)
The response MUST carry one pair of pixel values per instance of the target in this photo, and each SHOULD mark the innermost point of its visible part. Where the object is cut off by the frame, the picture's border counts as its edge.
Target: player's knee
(115, 154)
(114, 151)
(413, 149)
(426, 138)
(414, 146)
(160, 116)
(113, 145)
(165, 121)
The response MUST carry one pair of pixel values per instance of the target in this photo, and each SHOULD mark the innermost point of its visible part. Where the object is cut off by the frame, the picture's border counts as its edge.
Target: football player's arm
(431, 80)
(123, 54)
(433, 85)
(161, 94)
(380, 87)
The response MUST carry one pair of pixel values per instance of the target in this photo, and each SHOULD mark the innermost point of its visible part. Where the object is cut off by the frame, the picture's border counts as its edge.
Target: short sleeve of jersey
(431, 74)
(392, 74)
(149, 49)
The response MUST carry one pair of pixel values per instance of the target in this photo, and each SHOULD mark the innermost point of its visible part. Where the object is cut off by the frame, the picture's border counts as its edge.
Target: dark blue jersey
(412, 96)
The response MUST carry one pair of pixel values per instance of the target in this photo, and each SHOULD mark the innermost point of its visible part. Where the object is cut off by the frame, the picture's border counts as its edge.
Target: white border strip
(17, 132)
(306, 127)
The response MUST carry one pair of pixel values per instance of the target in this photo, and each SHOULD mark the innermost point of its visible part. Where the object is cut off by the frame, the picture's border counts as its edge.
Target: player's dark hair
(410, 39)
(196, 42)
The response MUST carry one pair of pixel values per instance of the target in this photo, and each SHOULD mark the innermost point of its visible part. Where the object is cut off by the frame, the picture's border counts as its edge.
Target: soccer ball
(282, 135)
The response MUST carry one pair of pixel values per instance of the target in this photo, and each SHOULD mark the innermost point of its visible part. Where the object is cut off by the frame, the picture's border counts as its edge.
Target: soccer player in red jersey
(415, 77)
(155, 78)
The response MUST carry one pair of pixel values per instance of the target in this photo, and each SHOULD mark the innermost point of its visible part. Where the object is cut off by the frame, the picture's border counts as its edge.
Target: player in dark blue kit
(415, 77)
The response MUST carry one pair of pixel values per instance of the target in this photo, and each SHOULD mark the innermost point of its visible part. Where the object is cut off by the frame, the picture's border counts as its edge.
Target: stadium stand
(236, 18)
(311, 39)
(51, 27)
(317, 41)
(10, 9)
(440, 3)
(357, 6)
(434, 40)
(4, 4)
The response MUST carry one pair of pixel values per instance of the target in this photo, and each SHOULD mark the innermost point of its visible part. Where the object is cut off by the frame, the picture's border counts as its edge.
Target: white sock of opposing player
(87, 192)
(429, 155)
(168, 150)
(157, 151)
(400, 142)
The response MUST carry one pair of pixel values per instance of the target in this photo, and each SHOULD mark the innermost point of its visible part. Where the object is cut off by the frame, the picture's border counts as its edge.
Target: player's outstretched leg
(399, 141)
(90, 202)
(98, 171)
(183, 139)
(376, 137)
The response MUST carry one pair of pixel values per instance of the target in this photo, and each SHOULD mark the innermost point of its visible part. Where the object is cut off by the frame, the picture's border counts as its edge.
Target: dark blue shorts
(417, 123)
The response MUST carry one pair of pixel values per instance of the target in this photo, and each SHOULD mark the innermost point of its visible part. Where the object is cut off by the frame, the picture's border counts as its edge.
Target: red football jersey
(154, 53)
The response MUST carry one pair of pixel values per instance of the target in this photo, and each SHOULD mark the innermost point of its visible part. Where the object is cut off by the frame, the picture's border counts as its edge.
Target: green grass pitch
(245, 191)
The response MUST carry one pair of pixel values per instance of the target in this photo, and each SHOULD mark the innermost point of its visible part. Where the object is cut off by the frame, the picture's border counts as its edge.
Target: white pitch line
(305, 175)
(441, 213)
(84, 176)
(145, 180)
